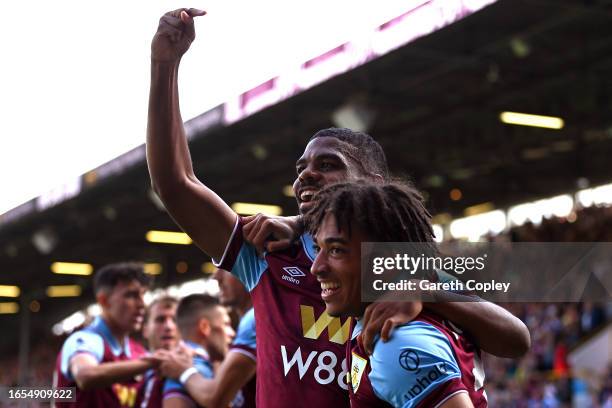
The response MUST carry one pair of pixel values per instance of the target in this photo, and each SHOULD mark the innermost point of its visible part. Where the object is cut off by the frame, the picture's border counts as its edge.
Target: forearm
(106, 374)
(167, 150)
(202, 390)
(493, 328)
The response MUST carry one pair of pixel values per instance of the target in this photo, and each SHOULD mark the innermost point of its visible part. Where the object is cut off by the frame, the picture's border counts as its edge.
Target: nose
(319, 266)
(309, 175)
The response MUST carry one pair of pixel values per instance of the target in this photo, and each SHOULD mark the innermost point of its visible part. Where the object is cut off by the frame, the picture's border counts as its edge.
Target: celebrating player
(297, 363)
(425, 364)
(234, 381)
(102, 360)
(206, 329)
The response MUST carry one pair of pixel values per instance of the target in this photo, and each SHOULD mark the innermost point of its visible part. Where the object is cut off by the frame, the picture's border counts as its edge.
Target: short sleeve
(245, 341)
(241, 259)
(413, 365)
(81, 342)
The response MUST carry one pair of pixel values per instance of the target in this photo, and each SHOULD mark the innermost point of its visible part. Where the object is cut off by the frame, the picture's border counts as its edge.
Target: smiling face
(322, 163)
(338, 268)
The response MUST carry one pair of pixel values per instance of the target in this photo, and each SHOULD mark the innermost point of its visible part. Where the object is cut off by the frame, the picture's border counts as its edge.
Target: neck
(118, 333)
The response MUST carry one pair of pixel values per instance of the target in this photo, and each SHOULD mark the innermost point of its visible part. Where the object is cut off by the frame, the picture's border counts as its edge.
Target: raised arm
(198, 210)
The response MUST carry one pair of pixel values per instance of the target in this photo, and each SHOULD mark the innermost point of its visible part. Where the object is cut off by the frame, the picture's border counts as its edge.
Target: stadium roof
(434, 105)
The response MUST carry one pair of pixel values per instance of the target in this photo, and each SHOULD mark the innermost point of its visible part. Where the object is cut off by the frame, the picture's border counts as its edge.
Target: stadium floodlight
(208, 268)
(64, 291)
(71, 268)
(168, 237)
(354, 115)
(9, 307)
(152, 268)
(9, 291)
(252, 208)
(288, 191)
(525, 119)
(45, 240)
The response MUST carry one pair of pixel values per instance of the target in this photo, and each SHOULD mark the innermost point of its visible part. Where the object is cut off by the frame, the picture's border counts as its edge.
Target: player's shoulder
(418, 357)
(82, 338)
(416, 334)
(248, 321)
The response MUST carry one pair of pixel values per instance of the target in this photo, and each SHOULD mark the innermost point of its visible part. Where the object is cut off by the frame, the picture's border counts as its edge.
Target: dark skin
(183, 194)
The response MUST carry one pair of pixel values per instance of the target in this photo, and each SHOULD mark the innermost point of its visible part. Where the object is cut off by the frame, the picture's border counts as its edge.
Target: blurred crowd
(544, 378)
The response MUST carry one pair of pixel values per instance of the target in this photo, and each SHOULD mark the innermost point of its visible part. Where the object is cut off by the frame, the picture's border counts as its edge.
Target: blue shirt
(412, 364)
(173, 388)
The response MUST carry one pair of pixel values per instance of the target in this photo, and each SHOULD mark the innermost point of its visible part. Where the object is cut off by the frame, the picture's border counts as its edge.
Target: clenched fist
(174, 35)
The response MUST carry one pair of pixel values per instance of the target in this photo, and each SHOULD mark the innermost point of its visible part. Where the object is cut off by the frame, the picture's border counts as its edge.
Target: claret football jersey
(98, 341)
(300, 348)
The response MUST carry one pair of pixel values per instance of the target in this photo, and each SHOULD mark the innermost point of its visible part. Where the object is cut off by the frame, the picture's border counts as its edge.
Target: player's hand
(175, 362)
(174, 35)
(269, 233)
(155, 359)
(383, 317)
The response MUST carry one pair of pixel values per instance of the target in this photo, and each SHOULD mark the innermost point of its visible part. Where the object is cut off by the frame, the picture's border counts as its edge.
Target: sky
(74, 77)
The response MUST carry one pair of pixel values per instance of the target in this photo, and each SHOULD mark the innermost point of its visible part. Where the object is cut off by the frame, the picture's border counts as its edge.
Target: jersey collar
(308, 244)
(101, 327)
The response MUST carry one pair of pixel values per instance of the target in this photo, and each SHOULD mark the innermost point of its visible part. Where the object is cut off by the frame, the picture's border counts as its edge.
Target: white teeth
(306, 195)
(329, 285)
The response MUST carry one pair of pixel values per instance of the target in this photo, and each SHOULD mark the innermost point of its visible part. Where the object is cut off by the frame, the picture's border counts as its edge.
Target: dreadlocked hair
(361, 147)
(383, 212)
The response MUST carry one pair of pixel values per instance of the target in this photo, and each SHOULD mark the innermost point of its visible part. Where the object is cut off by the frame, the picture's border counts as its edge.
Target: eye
(336, 251)
(300, 168)
(327, 166)
(316, 249)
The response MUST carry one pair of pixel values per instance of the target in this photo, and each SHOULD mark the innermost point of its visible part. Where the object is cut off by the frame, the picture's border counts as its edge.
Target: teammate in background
(299, 363)
(206, 329)
(234, 381)
(161, 332)
(425, 364)
(101, 360)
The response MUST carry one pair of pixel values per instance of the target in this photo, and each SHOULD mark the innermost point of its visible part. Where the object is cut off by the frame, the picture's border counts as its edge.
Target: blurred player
(299, 362)
(206, 329)
(425, 364)
(161, 332)
(234, 381)
(102, 360)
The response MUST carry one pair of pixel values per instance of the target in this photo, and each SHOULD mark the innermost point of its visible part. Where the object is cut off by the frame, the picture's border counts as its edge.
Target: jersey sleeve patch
(81, 342)
(412, 365)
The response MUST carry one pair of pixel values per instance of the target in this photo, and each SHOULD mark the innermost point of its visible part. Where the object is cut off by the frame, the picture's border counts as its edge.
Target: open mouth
(307, 194)
(329, 289)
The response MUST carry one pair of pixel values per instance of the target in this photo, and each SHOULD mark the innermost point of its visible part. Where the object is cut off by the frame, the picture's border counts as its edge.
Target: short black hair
(191, 309)
(109, 276)
(385, 212)
(361, 147)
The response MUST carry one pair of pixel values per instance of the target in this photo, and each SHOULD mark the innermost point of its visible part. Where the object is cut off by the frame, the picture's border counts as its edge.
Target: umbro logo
(294, 271)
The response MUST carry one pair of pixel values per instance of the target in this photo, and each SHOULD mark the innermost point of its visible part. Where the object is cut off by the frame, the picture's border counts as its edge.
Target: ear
(204, 327)
(102, 299)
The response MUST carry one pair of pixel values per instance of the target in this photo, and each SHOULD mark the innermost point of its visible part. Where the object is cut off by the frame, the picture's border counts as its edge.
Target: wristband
(186, 374)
